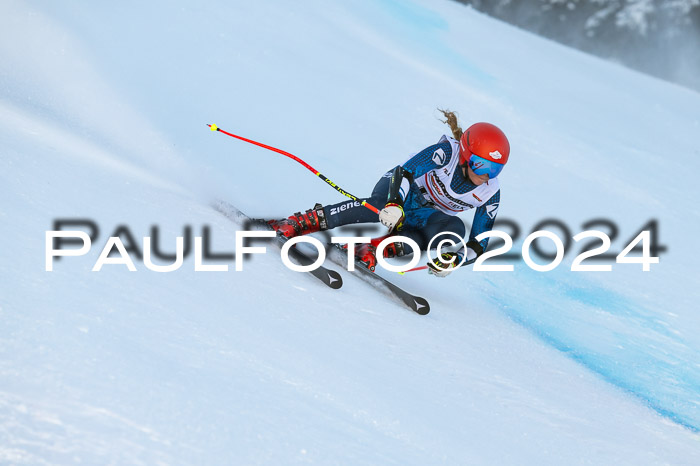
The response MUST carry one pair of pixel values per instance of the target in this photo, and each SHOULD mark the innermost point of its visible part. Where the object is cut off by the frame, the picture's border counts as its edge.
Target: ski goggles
(482, 166)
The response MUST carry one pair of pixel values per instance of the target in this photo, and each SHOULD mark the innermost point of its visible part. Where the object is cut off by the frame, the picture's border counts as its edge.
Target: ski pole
(422, 267)
(293, 157)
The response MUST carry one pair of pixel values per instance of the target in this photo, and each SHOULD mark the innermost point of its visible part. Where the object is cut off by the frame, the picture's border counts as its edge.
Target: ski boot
(311, 221)
(366, 253)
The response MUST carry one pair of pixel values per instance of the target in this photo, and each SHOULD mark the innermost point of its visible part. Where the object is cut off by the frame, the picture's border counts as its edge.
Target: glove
(471, 256)
(391, 216)
(445, 264)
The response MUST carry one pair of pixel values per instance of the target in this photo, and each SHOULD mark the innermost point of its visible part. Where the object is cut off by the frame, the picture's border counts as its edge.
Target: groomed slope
(102, 117)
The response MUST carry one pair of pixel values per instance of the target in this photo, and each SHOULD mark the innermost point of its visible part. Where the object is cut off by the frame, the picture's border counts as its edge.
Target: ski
(331, 278)
(415, 303)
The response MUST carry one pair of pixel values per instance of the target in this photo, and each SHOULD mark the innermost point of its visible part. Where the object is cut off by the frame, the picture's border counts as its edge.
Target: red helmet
(486, 141)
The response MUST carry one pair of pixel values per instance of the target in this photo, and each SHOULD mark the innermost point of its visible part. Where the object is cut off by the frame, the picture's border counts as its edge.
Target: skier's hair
(451, 120)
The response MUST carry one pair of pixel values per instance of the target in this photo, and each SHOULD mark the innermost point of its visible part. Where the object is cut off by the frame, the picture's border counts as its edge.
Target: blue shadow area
(618, 338)
(421, 28)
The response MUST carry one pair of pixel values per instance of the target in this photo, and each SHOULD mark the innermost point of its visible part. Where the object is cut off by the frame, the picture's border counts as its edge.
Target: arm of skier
(402, 176)
(484, 218)
(392, 214)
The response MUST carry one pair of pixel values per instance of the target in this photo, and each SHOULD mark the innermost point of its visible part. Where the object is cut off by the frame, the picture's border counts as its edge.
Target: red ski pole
(422, 267)
(293, 157)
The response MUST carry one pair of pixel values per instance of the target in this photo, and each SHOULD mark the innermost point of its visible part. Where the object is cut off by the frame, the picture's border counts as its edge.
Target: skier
(421, 198)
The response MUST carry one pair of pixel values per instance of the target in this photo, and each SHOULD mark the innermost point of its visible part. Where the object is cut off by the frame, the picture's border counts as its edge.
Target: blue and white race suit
(433, 193)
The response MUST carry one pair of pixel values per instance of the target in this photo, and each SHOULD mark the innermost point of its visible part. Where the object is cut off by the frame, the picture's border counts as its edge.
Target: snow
(102, 116)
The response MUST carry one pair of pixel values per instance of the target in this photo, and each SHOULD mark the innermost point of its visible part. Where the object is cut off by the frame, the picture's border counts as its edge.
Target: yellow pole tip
(214, 127)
